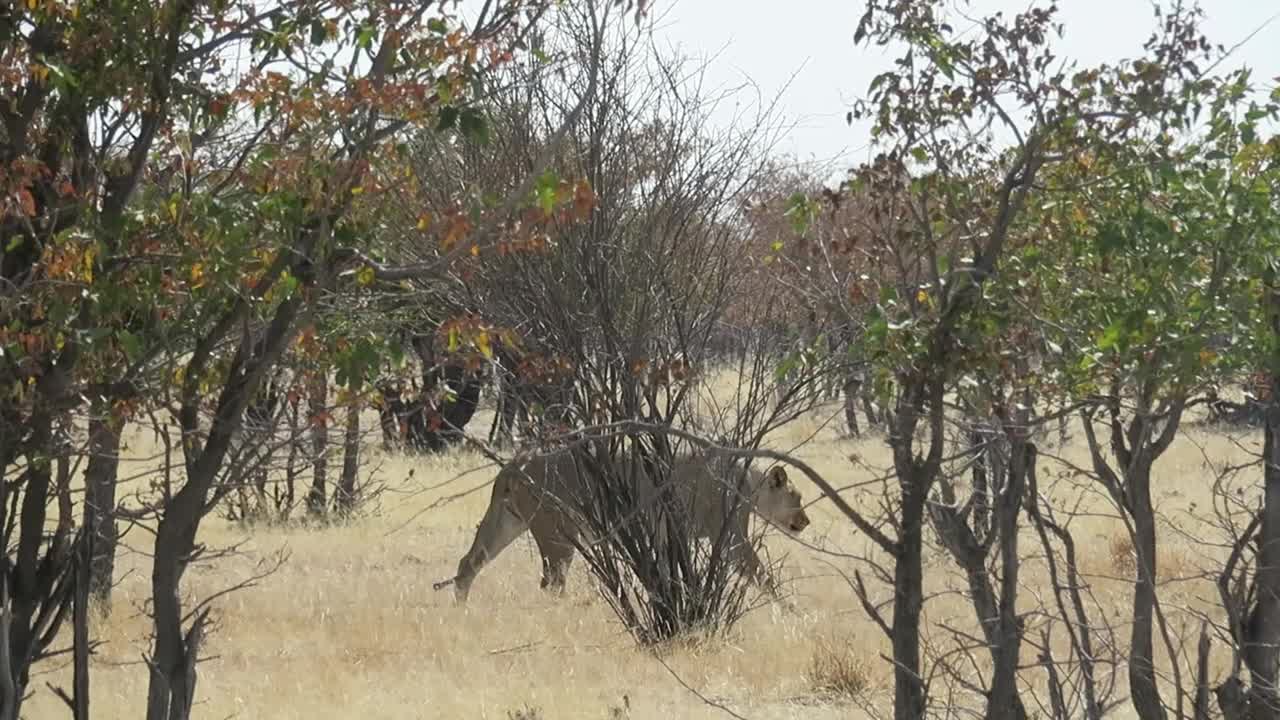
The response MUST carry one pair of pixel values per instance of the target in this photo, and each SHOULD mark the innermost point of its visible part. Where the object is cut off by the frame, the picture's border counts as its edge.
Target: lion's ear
(777, 477)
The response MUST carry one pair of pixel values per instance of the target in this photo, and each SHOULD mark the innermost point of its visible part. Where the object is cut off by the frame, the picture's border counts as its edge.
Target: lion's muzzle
(799, 522)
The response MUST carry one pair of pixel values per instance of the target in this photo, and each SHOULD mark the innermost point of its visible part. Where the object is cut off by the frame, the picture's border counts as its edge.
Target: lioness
(537, 495)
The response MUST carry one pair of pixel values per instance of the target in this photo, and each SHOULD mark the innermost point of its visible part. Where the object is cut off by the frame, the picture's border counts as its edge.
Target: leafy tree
(179, 285)
(974, 122)
(1151, 262)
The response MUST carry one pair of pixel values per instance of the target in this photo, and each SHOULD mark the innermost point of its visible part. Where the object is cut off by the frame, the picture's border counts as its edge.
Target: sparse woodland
(283, 283)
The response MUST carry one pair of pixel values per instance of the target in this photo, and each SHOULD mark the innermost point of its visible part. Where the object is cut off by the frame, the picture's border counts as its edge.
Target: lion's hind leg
(557, 554)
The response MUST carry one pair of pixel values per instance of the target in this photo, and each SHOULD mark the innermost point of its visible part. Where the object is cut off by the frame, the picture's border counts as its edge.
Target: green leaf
(474, 126)
(1110, 337)
(546, 190)
(801, 210)
(288, 284)
(448, 118)
(437, 25)
(788, 364)
(444, 90)
(130, 343)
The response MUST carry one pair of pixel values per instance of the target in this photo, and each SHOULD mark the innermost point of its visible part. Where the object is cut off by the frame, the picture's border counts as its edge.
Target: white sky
(768, 41)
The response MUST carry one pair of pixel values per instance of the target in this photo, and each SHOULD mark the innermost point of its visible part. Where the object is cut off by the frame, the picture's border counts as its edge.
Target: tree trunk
(1261, 647)
(1146, 699)
(100, 499)
(171, 690)
(318, 398)
(391, 413)
(978, 438)
(1003, 701)
(459, 412)
(291, 470)
(908, 601)
(80, 627)
(346, 498)
(172, 687)
(852, 392)
(968, 539)
(23, 583)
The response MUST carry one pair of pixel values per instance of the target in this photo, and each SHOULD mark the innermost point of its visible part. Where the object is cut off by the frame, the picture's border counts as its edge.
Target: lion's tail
(443, 583)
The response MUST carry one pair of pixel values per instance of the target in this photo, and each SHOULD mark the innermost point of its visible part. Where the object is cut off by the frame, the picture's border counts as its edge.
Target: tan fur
(537, 494)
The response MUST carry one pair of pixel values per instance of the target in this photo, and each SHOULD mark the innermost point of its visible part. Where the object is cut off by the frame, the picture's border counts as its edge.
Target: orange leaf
(27, 201)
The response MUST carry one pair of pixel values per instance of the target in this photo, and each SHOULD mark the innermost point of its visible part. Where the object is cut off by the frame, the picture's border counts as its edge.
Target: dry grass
(350, 626)
(839, 670)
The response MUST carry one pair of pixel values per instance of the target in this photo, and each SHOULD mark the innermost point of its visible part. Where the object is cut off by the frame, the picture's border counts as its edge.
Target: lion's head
(779, 502)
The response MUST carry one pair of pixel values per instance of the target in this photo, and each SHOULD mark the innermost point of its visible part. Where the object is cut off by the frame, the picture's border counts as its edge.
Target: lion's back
(549, 485)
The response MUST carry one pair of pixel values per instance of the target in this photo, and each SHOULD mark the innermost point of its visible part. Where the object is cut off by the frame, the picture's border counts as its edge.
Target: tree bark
(80, 627)
(996, 612)
(100, 499)
(171, 690)
(291, 470)
(908, 602)
(346, 496)
(1003, 701)
(1262, 628)
(1142, 673)
(24, 582)
(852, 392)
(318, 398)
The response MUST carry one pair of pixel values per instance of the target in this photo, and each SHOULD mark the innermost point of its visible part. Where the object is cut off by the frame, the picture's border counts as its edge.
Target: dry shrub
(621, 712)
(1175, 563)
(1172, 562)
(836, 671)
(658, 577)
(1123, 558)
(525, 713)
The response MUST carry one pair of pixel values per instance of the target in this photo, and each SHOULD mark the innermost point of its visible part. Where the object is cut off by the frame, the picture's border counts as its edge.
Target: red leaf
(27, 201)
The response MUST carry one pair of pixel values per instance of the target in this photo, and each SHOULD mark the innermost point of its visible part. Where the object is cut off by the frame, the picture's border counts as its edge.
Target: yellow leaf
(90, 253)
(365, 277)
(197, 275)
(357, 190)
(922, 296)
(482, 343)
(475, 251)
(424, 221)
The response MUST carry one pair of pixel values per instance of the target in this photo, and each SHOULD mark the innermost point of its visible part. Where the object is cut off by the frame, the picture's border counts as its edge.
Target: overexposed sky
(809, 43)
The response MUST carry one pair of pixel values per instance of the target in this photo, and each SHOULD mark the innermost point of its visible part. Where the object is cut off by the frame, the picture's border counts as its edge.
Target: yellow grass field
(349, 627)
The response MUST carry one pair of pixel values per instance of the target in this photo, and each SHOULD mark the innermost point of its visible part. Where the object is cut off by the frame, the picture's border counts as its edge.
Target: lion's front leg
(749, 565)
